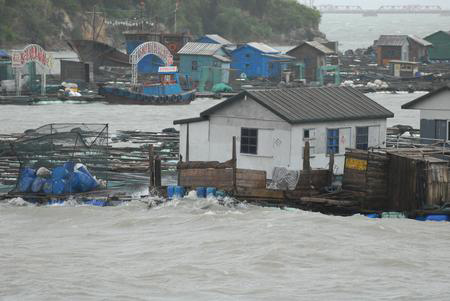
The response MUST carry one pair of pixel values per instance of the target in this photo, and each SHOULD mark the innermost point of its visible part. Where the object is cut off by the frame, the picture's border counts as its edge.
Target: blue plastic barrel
(59, 186)
(82, 182)
(84, 170)
(179, 192)
(170, 191)
(38, 184)
(221, 193)
(70, 166)
(373, 215)
(28, 172)
(73, 183)
(48, 187)
(25, 183)
(99, 203)
(55, 202)
(437, 217)
(211, 191)
(201, 192)
(59, 173)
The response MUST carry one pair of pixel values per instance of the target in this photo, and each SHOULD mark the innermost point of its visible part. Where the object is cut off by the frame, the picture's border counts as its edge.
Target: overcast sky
(378, 3)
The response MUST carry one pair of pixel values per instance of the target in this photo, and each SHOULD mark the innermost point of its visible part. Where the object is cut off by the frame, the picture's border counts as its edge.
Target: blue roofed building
(258, 60)
(204, 64)
(214, 39)
(6, 72)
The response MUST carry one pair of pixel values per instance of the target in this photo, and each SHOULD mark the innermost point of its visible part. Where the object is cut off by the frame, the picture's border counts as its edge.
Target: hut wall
(403, 184)
(367, 172)
(436, 183)
(222, 178)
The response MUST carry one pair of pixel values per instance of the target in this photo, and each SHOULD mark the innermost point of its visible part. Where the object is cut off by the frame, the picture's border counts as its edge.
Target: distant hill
(50, 22)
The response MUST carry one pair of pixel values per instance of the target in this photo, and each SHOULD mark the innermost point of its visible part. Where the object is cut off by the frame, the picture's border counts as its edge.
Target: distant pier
(386, 9)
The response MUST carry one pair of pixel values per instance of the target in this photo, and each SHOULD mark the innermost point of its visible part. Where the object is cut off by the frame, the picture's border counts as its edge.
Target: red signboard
(31, 53)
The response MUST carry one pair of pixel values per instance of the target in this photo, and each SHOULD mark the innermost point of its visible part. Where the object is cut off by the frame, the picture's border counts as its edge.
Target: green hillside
(49, 22)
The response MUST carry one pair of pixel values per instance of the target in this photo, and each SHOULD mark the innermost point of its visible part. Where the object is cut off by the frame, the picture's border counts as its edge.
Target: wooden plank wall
(222, 178)
(355, 175)
(436, 183)
(367, 172)
(377, 181)
(403, 175)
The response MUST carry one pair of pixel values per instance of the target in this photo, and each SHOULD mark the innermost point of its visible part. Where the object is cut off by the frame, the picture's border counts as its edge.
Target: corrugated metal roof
(399, 40)
(319, 46)
(411, 104)
(392, 40)
(280, 56)
(195, 48)
(263, 47)
(303, 105)
(222, 58)
(420, 40)
(218, 39)
(316, 45)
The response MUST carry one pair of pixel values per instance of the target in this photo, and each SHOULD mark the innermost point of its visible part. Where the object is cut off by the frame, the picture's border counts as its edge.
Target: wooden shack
(397, 179)
(416, 181)
(365, 172)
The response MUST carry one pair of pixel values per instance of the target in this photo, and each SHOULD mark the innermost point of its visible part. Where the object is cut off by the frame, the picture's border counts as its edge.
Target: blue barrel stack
(61, 180)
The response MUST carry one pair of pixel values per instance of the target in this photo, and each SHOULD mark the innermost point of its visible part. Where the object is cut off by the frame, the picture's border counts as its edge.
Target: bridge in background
(385, 9)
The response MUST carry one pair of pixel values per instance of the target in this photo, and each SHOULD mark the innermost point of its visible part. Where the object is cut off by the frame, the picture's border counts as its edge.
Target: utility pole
(94, 13)
(177, 3)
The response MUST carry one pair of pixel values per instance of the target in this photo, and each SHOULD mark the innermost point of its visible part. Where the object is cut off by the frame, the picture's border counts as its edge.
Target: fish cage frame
(90, 147)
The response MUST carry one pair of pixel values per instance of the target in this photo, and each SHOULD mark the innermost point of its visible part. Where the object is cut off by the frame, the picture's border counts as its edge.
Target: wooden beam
(234, 159)
(331, 169)
(158, 172)
(187, 142)
(151, 158)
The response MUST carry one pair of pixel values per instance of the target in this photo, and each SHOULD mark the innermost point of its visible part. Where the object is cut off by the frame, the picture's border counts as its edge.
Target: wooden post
(234, 159)
(157, 172)
(151, 165)
(179, 170)
(187, 142)
(307, 168)
(331, 169)
(306, 157)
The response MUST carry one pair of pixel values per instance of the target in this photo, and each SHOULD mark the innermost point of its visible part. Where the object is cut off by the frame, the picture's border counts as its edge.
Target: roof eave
(190, 120)
(409, 105)
(343, 119)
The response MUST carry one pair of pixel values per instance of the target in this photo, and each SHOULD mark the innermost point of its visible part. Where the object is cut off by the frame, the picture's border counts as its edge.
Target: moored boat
(165, 91)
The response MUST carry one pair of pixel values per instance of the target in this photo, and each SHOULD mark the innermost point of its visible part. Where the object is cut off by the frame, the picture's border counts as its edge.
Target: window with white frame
(249, 141)
(362, 137)
(332, 141)
(310, 135)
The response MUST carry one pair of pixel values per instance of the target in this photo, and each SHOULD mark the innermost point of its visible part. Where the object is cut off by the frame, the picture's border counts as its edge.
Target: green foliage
(238, 20)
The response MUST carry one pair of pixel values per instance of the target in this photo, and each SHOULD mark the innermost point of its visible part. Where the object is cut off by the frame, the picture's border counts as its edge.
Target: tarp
(3, 53)
(221, 87)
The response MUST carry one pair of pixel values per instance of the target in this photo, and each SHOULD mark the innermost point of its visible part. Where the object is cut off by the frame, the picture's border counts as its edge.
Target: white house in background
(272, 126)
(434, 113)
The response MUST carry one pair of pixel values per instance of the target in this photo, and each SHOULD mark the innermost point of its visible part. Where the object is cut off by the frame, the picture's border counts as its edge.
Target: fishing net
(61, 159)
(284, 179)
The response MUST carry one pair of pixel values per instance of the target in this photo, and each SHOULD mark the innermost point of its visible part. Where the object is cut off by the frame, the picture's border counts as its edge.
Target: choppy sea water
(199, 250)
(357, 31)
(16, 119)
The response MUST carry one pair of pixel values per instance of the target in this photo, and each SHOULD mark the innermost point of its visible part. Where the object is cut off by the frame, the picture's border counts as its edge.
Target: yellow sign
(357, 164)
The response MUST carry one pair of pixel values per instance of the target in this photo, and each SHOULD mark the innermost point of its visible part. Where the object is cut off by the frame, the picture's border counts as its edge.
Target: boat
(164, 90)
(98, 53)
